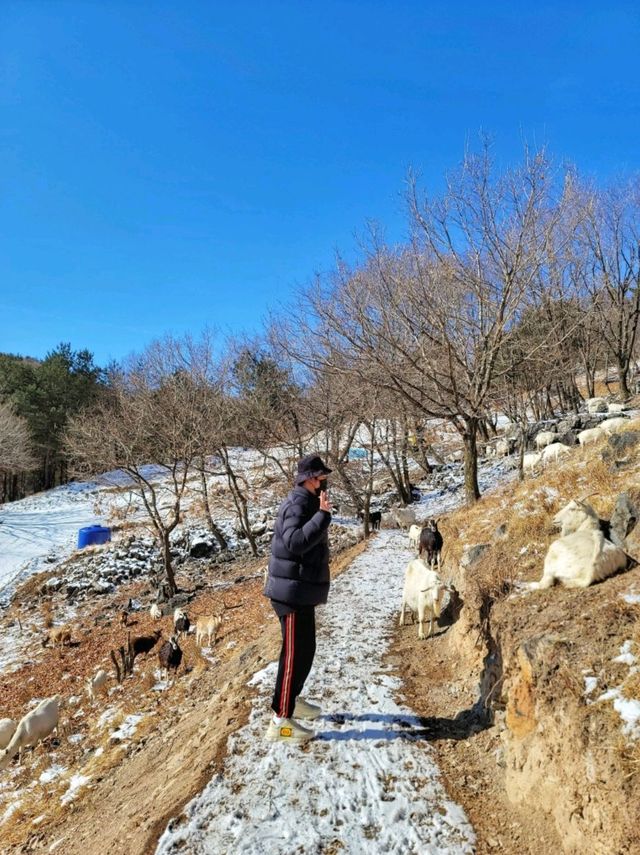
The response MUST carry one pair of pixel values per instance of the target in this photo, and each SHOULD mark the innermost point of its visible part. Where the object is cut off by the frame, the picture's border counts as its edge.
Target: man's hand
(325, 503)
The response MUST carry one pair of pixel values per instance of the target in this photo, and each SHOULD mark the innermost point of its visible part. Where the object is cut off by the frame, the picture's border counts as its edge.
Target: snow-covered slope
(41, 526)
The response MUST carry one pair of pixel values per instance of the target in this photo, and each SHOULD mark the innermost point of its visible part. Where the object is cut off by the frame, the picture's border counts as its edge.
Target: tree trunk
(469, 437)
(623, 374)
(213, 528)
(168, 566)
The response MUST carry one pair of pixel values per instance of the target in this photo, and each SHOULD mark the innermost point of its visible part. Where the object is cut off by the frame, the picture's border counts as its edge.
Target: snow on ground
(368, 778)
(41, 527)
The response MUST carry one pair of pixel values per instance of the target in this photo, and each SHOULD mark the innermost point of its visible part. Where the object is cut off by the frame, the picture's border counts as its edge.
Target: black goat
(170, 656)
(375, 518)
(431, 543)
(182, 625)
(145, 643)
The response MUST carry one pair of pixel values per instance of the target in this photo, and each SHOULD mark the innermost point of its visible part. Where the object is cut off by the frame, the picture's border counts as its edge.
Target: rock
(574, 422)
(568, 437)
(623, 520)
(201, 548)
(620, 447)
(500, 533)
(473, 553)
(597, 405)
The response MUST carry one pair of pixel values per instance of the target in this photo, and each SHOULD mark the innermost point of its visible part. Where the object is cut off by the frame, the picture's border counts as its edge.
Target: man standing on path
(298, 581)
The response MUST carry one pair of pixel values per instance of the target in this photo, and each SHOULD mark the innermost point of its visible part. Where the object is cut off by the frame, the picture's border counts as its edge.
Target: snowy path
(367, 783)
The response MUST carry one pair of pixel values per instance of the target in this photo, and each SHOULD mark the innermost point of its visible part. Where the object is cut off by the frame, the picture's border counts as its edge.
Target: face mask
(321, 488)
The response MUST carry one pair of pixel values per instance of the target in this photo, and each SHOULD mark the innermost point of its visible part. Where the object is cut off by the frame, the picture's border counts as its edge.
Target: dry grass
(528, 509)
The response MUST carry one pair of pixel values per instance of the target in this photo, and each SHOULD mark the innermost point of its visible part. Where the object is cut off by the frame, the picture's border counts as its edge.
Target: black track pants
(296, 658)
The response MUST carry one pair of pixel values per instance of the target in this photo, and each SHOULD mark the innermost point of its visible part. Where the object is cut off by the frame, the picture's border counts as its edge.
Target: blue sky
(171, 166)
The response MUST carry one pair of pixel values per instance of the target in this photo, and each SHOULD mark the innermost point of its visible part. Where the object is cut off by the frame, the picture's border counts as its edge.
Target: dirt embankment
(539, 763)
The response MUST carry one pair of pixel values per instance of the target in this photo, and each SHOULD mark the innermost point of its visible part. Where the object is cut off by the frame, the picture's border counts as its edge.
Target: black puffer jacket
(299, 563)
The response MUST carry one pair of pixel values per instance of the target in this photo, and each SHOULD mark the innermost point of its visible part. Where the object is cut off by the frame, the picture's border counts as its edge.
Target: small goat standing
(170, 656)
(431, 543)
(423, 593)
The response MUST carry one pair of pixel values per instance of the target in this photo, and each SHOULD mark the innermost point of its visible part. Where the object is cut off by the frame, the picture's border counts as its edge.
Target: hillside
(447, 742)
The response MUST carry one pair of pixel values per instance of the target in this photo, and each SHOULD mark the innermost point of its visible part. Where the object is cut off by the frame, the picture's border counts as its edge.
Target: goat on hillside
(33, 727)
(207, 626)
(582, 554)
(414, 536)
(7, 729)
(544, 438)
(170, 656)
(586, 437)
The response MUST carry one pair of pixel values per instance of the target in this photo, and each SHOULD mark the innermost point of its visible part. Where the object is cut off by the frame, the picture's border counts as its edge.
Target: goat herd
(39, 723)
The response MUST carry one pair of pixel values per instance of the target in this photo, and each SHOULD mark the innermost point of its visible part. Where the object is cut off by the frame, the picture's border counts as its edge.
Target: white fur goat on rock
(582, 555)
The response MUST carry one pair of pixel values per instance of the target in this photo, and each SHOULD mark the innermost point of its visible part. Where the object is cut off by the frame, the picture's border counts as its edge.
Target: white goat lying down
(423, 593)
(582, 555)
(32, 728)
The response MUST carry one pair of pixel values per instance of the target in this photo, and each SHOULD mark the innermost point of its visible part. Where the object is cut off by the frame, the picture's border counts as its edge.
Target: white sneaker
(304, 709)
(288, 731)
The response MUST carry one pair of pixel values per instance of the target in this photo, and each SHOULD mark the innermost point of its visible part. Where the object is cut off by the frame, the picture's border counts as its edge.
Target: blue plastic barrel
(93, 534)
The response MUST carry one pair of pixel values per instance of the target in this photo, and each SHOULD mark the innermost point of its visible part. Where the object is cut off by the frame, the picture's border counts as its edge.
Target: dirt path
(368, 782)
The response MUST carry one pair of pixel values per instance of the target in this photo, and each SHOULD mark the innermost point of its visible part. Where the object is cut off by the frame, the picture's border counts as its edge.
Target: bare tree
(609, 234)
(150, 427)
(431, 318)
(16, 455)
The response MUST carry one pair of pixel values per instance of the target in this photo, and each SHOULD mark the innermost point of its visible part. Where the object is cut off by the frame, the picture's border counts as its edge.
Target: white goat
(404, 517)
(207, 625)
(423, 593)
(544, 438)
(155, 612)
(414, 536)
(97, 683)
(582, 555)
(610, 426)
(586, 437)
(555, 451)
(577, 515)
(7, 729)
(531, 460)
(32, 728)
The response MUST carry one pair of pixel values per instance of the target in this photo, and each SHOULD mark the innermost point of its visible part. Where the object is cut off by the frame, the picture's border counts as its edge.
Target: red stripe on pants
(290, 630)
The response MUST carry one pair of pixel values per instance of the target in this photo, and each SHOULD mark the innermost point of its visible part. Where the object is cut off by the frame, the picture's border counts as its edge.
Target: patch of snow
(52, 773)
(629, 711)
(127, 728)
(108, 715)
(631, 597)
(368, 779)
(75, 784)
(10, 810)
(626, 656)
(590, 684)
